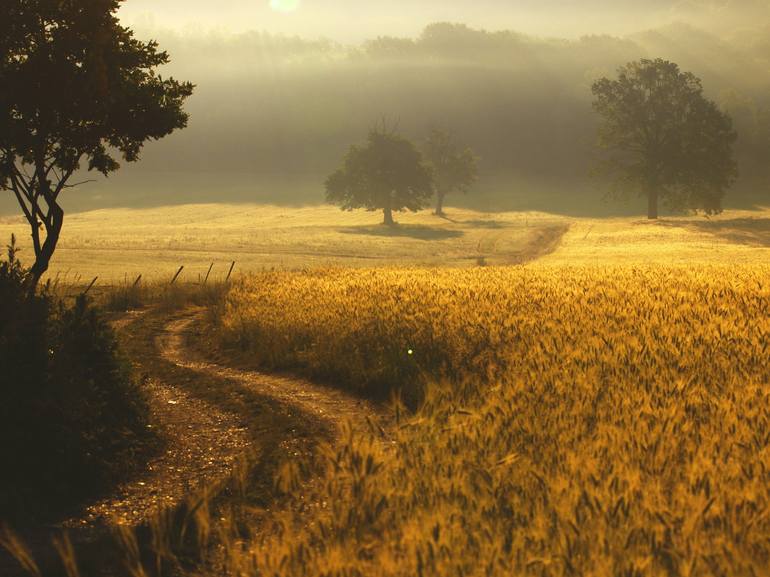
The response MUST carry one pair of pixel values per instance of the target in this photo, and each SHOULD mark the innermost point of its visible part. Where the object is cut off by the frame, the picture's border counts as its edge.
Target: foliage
(592, 421)
(387, 174)
(453, 169)
(665, 136)
(75, 86)
(70, 414)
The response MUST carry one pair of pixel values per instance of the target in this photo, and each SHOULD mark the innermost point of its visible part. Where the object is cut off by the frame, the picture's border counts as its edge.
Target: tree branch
(30, 213)
(62, 185)
(79, 183)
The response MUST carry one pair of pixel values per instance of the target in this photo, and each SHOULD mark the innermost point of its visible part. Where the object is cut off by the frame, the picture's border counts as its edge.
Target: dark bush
(71, 417)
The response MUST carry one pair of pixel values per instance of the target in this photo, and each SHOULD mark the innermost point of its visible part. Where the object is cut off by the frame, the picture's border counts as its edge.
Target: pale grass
(119, 244)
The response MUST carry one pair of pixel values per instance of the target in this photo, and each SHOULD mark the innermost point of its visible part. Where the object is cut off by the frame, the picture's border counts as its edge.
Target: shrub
(71, 417)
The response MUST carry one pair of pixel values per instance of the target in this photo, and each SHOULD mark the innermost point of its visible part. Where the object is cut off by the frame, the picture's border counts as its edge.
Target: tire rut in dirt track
(331, 406)
(201, 445)
(541, 243)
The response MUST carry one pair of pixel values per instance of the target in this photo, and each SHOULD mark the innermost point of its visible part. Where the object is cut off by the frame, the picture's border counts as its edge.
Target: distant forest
(272, 116)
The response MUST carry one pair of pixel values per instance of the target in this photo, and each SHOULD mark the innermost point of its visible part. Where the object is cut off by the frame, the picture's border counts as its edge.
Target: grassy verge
(163, 297)
(573, 420)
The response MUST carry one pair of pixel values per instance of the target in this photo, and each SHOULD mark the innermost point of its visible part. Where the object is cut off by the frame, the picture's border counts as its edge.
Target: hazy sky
(355, 20)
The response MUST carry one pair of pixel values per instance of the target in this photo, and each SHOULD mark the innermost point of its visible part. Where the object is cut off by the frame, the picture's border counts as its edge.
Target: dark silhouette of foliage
(71, 417)
(387, 173)
(665, 137)
(453, 169)
(75, 88)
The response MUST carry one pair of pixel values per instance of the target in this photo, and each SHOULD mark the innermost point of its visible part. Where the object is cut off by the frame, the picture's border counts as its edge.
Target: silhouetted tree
(387, 173)
(453, 169)
(665, 137)
(75, 87)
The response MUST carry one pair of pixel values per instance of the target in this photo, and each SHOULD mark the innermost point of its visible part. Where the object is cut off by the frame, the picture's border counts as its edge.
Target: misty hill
(273, 115)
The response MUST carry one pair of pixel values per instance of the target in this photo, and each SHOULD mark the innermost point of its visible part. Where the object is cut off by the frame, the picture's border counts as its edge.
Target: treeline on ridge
(273, 115)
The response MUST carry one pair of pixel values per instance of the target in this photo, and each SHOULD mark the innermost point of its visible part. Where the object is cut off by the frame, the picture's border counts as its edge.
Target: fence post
(232, 266)
(93, 282)
(208, 273)
(176, 276)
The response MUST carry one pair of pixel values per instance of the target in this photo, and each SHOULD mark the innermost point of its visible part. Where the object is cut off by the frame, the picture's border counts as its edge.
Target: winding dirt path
(202, 441)
(332, 406)
(201, 445)
(204, 438)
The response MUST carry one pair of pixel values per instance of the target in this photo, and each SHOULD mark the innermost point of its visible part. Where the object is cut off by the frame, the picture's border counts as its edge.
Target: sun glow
(284, 5)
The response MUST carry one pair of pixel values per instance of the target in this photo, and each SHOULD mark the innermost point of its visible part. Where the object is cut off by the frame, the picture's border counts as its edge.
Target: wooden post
(138, 280)
(176, 276)
(208, 273)
(93, 282)
(232, 266)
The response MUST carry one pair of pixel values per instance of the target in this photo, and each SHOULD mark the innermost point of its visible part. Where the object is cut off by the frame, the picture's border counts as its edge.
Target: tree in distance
(664, 137)
(76, 88)
(387, 173)
(453, 169)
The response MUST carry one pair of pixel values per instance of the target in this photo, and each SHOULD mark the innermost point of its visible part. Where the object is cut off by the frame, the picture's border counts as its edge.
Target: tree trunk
(388, 217)
(652, 202)
(388, 212)
(440, 203)
(43, 256)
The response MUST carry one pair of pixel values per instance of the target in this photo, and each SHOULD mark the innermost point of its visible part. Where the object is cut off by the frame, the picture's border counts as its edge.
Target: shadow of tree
(409, 231)
(748, 231)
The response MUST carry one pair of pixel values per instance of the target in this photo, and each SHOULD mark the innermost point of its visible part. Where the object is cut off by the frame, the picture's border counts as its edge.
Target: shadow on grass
(748, 231)
(487, 224)
(404, 231)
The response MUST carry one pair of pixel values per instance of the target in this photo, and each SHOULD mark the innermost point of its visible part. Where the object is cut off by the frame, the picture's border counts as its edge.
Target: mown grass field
(582, 420)
(120, 244)
(123, 243)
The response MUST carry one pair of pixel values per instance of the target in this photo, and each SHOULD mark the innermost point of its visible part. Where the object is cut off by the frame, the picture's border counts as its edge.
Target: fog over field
(284, 87)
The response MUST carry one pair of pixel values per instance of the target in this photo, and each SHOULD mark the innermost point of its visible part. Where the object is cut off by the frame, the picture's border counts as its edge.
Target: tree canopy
(76, 90)
(387, 173)
(664, 137)
(454, 169)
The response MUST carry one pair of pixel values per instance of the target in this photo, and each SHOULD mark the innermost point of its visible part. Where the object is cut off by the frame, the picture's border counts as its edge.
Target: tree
(76, 89)
(665, 138)
(454, 169)
(388, 174)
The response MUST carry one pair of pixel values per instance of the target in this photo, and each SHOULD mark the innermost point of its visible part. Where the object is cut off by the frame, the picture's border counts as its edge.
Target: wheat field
(603, 411)
(574, 420)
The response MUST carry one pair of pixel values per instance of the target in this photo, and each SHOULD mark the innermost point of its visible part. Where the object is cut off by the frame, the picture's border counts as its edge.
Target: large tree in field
(454, 169)
(76, 90)
(664, 138)
(387, 173)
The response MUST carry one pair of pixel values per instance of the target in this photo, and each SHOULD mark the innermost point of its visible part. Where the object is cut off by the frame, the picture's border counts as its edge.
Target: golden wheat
(590, 421)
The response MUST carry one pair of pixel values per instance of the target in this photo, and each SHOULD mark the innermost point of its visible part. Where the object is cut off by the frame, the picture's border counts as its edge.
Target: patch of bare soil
(202, 444)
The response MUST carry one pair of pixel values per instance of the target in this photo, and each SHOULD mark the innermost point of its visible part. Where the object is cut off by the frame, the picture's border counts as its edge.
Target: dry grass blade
(11, 543)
